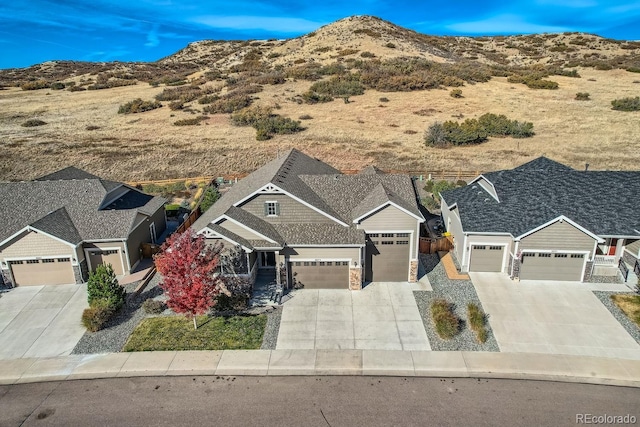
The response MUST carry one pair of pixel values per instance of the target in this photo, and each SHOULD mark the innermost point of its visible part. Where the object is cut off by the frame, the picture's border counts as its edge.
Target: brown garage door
(486, 258)
(387, 257)
(545, 266)
(110, 256)
(49, 271)
(321, 274)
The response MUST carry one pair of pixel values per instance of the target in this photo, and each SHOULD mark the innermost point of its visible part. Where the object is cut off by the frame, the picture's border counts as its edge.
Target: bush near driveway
(213, 333)
(630, 305)
(105, 297)
(477, 321)
(446, 322)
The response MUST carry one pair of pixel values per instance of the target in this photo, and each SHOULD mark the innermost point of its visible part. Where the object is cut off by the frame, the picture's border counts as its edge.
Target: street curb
(454, 364)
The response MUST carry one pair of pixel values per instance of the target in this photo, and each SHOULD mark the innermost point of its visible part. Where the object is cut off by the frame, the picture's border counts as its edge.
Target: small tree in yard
(187, 265)
(103, 285)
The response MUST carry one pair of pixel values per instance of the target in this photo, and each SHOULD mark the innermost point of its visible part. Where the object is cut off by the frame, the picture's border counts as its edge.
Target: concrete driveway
(41, 321)
(382, 316)
(553, 317)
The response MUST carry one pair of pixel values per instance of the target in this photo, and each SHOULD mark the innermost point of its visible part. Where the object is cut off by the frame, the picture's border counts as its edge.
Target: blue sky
(33, 31)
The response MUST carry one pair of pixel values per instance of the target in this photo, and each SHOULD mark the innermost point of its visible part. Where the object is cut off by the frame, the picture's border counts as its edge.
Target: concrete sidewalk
(566, 368)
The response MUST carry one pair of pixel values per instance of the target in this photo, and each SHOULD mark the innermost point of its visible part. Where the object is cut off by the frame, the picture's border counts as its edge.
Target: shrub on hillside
(190, 122)
(57, 86)
(33, 123)
(265, 122)
(473, 131)
(176, 105)
(533, 81)
(228, 104)
(582, 96)
(35, 85)
(138, 106)
(339, 86)
(626, 104)
(455, 93)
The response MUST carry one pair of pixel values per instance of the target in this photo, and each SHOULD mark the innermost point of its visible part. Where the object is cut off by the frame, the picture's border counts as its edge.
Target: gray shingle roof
(603, 202)
(343, 197)
(371, 170)
(67, 173)
(41, 202)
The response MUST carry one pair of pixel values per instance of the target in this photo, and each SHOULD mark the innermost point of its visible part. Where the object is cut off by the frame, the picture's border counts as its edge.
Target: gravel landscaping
(626, 323)
(270, 338)
(112, 338)
(458, 292)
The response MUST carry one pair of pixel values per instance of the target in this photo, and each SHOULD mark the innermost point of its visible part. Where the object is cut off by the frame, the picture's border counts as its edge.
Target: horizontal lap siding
(560, 236)
(291, 211)
(32, 244)
(388, 218)
(455, 228)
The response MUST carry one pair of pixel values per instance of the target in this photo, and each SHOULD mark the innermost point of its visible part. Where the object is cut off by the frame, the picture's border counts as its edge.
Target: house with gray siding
(58, 228)
(310, 225)
(546, 221)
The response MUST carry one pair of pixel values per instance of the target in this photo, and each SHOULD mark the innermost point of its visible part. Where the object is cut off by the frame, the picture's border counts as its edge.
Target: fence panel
(432, 246)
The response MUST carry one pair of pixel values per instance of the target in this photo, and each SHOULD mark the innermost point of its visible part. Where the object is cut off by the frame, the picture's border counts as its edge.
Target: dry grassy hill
(407, 78)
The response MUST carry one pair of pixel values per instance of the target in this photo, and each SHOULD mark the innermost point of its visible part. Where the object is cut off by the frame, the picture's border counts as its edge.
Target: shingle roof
(343, 197)
(67, 173)
(61, 205)
(231, 235)
(371, 170)
(603, 202)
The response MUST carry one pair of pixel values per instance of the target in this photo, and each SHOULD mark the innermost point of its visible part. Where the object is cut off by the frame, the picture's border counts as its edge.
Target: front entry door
(267, 259)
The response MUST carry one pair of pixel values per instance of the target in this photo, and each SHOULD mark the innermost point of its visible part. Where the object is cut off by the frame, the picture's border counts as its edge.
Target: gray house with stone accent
(311, 225)
(59, 227)
(546, 221)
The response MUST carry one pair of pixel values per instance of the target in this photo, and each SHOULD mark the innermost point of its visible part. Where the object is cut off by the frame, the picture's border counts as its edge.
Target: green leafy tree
(209, 197)
(103, 285)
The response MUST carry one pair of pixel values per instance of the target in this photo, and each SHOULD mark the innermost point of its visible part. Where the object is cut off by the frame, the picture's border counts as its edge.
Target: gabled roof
(322, 187)
(371, 170)
(67, 207)
(603, 202)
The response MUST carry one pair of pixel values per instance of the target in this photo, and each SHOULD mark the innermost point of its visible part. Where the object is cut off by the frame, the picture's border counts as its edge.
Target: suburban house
(313, 226)
(59, 227)
(546, 221)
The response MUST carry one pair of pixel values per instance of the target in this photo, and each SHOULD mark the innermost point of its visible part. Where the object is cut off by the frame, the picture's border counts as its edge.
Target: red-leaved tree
(187, 265)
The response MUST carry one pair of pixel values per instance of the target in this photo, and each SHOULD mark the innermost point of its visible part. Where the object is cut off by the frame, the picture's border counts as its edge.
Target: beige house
(308, 224)
(57, 228)
(546, 221)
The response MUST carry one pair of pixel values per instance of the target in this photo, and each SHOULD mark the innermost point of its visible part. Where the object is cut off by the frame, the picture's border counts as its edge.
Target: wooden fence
(193, 216)
(432, 246)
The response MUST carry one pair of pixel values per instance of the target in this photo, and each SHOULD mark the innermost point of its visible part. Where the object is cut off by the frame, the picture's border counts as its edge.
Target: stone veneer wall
(6, 277)
(516, 269)
(413, 271)
(355, 278)
(588, 270)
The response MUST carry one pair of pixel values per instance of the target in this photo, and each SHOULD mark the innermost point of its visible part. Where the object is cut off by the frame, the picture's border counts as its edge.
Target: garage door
(545, 266)
(111, 256)
(321, 274)
(387, 257)
(49, 271)
(486, 258)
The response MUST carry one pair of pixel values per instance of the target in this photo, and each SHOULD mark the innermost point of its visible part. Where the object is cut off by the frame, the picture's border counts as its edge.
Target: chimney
(586, 167)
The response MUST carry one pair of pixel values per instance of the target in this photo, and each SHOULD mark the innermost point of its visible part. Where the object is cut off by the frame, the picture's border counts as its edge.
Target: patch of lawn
(213, 333)
(630, 305)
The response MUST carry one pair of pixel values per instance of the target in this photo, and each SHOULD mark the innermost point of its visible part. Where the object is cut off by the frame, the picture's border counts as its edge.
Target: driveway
(382, 316)
(41, 321)
(553, 317)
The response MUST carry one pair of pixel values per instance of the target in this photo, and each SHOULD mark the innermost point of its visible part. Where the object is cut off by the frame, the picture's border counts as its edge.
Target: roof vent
(486, 199)
(586, 167)
(474, 187)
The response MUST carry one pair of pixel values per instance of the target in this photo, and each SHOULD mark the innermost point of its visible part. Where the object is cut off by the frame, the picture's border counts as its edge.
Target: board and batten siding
(34, 244)
(291, 211)
(388, 218)
(322, 253)
(239, 230)
(560, 236)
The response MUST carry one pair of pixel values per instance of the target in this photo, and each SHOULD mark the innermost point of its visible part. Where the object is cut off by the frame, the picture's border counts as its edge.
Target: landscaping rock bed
(626, 323)
(114, 335)
(270, 338)
(459, 293)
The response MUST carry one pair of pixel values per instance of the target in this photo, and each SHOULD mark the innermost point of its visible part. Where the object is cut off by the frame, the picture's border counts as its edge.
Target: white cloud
(504, 24)
(277, 24)
(152, 37)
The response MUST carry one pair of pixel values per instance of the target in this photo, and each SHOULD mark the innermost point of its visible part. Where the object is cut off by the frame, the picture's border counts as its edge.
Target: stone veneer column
(516, 269)
(588, 269)
(355, 278)
(413, 271)
(6, 277)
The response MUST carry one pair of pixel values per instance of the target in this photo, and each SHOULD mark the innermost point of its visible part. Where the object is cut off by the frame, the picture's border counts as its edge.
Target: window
(306, 263)
(387, 242)
(48, 261)
(313, 263)
(33, 261)
(15, 262)
(374, 235)
(329, 264)
(271, 208)
(480, 247)
(63, 260)
(577, 255)
(402, 242)
(528, 254)
(344, 263)
(375, 242)
(298, 264)
(388, 235)
(322, 264)
(560, 255)
(402, 235)
(544, 255)
(495, 248)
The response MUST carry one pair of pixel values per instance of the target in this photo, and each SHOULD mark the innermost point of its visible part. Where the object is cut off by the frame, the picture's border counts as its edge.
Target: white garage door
(547, 266)
(47, 271)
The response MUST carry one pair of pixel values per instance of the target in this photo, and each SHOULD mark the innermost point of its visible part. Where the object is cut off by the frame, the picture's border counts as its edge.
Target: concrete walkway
(553, 317)
(566, 368)
(382, 316)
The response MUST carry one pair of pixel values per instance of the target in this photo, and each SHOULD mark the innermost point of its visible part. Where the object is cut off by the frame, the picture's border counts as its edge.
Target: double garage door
(47, 271)
(320, 274)
(547, 266)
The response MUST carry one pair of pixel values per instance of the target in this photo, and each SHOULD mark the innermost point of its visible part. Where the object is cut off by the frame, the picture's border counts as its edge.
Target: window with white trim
(271, 208)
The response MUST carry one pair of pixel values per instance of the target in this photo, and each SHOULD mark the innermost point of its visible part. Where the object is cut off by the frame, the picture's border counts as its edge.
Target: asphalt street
(309, 401)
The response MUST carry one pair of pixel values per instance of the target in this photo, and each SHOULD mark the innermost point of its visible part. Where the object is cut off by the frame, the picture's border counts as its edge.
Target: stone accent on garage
(588, 269)
(516, 269)
(81, 272)
(6, 277)
(413, 271)
(355, 278)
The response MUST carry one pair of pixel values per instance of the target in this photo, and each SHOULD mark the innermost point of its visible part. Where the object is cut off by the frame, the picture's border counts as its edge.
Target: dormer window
(271, 208)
